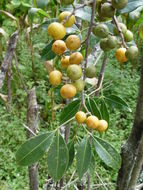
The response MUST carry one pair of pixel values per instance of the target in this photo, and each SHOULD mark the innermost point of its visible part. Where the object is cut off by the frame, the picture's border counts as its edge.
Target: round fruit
(120, 55)
(102, 126)
(112, 42)
(128, 36)
(55, 77)
(122, 27)
(80, 117)
(73, 42)
(68, 91)
(63, 16)
(104, 45)
(132, 53)
(79, 84)
(76, 58)
(66, 2)
(65, 61)
(57, 31)
(101, 30)
(59, 47)
(92, 122)
(74, 72)
(119, 4)
(107, 10)
(90, 71)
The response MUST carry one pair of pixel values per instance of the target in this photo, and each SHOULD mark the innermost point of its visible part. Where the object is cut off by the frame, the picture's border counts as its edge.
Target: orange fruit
(73, 42)
(57, 31)
(120, 55)
(59, 47)
(92, 122)
(102, 126)
(63, 16)
(68, 91)
(80, 117)
(76, 58)
(65, 61)
(55, 77)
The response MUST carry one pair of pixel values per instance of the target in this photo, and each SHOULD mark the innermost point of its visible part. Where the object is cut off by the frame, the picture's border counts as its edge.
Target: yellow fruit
(76, 58)
(68, 91)
(74, 72)
(80, 117)
(65, 61)
(55, 77)
(102, 126)
(92, 122)
(73, 42)
(120, 55)
(59, 47)
(57, 31)
(63, 16)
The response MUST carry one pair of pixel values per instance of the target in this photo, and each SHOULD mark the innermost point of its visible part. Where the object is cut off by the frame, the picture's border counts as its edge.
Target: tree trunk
(130, 149)
(32, 117)
(137, 167)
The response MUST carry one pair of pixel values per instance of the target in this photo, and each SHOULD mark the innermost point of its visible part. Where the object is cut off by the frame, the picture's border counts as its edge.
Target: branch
(120, 32)
(20, 76)
(9, 56)
(75, 9)
(86, 52)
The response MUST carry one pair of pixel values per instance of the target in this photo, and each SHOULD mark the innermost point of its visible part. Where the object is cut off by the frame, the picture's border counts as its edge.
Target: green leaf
(107, 153)
(69, 111)
(71, 152)
(33, 149)
(83, 13)
(37, 11)
(132, 5)
(42, 3)
(83, 156)
(58, 158)
(93, 108)
(117, 101)
(47, 53)
(92, 165)
(104, 111)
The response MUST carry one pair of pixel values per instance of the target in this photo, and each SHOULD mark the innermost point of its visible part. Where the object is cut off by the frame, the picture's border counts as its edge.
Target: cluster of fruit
(70, 62)
(106, 9)
(91, 121)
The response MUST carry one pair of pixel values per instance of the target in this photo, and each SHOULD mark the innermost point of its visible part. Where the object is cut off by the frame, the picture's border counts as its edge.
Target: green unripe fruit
(128, 36)
(74, 72)
(104, 44)
(119, 4)
(101, 31)
(79, 84)
(90, 71)
(107, 10)
(66, 2)
(132, 53)
(122, 27)
(112, 42)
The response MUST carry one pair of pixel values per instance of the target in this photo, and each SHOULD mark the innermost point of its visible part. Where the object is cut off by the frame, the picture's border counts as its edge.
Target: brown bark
(137, 167)
(32, 122)
(6, 64)
(130, 148)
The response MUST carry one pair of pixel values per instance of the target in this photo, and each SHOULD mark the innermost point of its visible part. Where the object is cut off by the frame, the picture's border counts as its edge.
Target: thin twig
(101, 181)
(120, 31)
(26, 127)
(20, 76)
(75, 9)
